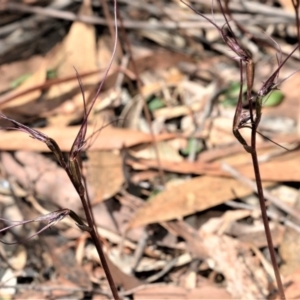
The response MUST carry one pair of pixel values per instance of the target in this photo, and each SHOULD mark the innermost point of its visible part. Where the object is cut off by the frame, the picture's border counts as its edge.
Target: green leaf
(230, 102)
(156, 103)
(15, 83)
(232, 94)
(274, 99)
(190, 147)
(233, 90)
(51, 74)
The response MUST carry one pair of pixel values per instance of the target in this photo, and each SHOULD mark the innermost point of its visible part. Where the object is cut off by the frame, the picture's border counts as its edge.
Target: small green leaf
(18, 81)
(230, 102)
(274, 99)
(233, 90)
(51, 74)
(232, 94)
(190, 147)
(156, 103)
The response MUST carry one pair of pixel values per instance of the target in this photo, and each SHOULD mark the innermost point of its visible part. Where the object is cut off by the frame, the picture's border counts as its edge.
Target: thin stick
(246, 62)
(264, 214)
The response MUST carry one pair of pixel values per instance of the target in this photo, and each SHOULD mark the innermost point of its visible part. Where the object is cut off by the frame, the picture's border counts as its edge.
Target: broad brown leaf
(194, 195)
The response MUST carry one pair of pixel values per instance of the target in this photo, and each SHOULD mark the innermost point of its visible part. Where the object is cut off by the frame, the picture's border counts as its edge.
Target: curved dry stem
(80, 138)
(52, 218)
(240, 119)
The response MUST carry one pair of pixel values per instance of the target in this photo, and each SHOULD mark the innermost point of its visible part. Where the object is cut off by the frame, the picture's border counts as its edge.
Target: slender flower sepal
(51, 218)
(37, 135)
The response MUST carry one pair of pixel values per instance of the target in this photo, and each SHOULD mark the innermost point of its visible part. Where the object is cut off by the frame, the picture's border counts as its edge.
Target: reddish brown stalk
(110, 23)
(240, 119)
(79, 140)
(264, 213)
(73, 169)
(243, 54)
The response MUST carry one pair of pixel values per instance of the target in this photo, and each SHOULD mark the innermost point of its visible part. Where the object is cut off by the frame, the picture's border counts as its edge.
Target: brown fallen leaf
(42, 176)
(63, 260)
(207, 291)
(290, 247)
(103, 54)
(165, 150)
(216, 154)
(245, 277)
(287, 5)
(109, 138)
(12, 71)
(77, 50)
(290, 106)
(292, 286)
(104, 174)
(281, 168)
(162, 59)
(38, 77)
(194, 195)
(182, 167)
(271, 170)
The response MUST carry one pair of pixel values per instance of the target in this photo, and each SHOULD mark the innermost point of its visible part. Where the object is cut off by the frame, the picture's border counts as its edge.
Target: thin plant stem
(74, 169)
(95, 238)
(246, 65)
(264, 213)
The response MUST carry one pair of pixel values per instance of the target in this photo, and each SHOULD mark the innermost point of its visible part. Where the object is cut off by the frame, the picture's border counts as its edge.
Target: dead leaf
(78, 50)
(12, 71)
(38, 77)
(109, 138)
(120, 278)
(194, 195)
(287, 5)
(290, 247)
(292, 288)
(105, 174)
(63, 259)
(245, 277)
(281, 168)
(271, 170)
(165, 150)
(38, 173)
(104, 50)
(207, 291)
(19, 259)
(290, 106)
(183, 167)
